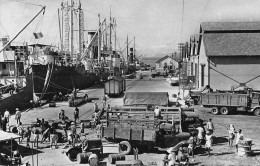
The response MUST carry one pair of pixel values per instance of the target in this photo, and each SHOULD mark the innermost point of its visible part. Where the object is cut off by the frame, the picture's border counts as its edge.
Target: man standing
(157, 112)
(200, 134)
(75, 115)
(7, 116)
(104, 102)
(210, 126)
(73, 132)
(95, 107)
(239, 138)
(18, 116)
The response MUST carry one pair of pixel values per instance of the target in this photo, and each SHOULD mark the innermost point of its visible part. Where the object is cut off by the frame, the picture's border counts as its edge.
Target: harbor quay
(222, 154)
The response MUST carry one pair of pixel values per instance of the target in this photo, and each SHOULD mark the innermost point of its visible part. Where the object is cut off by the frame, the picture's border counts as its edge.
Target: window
(196, 68)
(202, 74)
(4, 66)
(191, 69)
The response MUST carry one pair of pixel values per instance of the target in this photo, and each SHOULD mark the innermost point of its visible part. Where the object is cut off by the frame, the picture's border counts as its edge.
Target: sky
(157, 25)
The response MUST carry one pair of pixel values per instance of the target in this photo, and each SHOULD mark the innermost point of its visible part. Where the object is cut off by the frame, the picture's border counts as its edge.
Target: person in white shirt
(157, 112)
(210, 126)
(7, 116)
(209, 141)
(18, 116)
(200, 134)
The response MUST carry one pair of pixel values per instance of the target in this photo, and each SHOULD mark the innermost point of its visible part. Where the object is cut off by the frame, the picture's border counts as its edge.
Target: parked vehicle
(142, 129)
(227, 102)
(80, 98)
(115, 86)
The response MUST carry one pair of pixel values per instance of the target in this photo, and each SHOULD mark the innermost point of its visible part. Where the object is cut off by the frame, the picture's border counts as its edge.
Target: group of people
(233, 133)
(45, 130)
(4, 120)
(202, 137)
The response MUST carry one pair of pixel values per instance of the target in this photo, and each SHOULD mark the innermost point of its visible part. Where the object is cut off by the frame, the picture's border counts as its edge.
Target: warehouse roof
(230, 26)
(232, 44)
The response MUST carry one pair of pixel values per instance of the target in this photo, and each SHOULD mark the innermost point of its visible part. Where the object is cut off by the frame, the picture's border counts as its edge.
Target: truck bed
(224, 99)
(128, 134)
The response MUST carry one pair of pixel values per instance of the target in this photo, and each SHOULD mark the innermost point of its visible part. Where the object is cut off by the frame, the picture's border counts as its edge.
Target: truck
(141, 129)
(76, 100)
(115, 86)
(226, 102)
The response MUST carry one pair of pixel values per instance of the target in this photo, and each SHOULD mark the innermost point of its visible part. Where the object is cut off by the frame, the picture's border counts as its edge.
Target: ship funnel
(131, 56)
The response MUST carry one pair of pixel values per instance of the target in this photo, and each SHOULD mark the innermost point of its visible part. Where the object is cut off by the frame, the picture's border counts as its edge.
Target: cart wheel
(214, 110)
(257, 111)
(224, 111)
(125, 147)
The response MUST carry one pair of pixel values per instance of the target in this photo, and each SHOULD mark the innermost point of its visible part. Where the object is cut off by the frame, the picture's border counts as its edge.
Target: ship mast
(81, 33)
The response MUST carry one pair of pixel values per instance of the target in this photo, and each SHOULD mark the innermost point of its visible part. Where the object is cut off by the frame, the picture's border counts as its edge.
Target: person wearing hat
(239, 138)
(209, 141)
(210, 126)
(18, 116)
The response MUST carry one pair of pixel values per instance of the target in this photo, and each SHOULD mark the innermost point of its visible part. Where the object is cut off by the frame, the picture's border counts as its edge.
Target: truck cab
(169, 135)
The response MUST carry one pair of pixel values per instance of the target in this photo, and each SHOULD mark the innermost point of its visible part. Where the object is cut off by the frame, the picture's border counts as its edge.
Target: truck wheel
(224, 111)
(125, 147)
(214, 110)
(257, 112)
(72, 154)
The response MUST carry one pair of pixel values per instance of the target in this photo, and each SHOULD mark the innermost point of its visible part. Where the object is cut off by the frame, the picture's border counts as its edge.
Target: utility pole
(127, 49)
(115, 32)
(99, 40)
(110, 31)
(81, 32)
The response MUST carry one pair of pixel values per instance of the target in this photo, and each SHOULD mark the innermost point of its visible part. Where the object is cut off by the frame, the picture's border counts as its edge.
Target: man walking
(210, 126)
(18, 116)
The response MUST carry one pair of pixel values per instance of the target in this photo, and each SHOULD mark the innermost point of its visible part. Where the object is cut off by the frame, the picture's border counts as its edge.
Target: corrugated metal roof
(232, 44)
(230, 26)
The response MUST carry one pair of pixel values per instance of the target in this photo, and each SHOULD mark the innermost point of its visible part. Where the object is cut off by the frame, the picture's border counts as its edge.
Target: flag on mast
(38, 35)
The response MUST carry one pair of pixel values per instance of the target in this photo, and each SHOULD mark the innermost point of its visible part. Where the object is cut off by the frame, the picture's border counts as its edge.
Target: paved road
(222, 154)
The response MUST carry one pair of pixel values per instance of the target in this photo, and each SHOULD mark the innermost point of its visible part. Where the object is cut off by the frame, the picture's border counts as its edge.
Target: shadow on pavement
(255, 152)
(28, 151)
(219, 140)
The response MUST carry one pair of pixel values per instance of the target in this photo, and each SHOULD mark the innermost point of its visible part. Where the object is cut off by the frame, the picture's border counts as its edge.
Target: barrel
(82, 158)
(248, 141)
(112, 158)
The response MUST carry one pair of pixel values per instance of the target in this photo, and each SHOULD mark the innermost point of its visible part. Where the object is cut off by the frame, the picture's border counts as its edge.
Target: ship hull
(62, 79)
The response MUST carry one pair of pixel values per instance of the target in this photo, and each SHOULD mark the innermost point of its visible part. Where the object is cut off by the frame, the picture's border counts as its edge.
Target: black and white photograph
(130, 82)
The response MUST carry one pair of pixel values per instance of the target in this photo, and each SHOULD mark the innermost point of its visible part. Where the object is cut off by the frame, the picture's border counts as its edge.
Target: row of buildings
(224, 55)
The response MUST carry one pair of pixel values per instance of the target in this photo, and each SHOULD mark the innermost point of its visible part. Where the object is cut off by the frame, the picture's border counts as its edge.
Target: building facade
(166, 62)
(228, 55)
